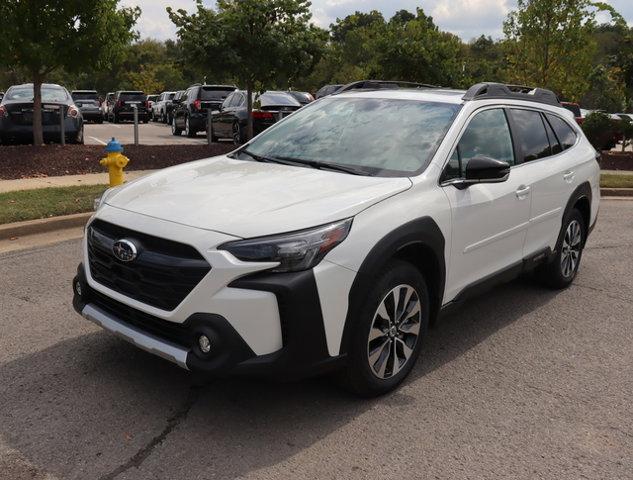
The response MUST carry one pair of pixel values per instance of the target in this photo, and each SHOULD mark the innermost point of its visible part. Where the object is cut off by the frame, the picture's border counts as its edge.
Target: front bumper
(304, 351)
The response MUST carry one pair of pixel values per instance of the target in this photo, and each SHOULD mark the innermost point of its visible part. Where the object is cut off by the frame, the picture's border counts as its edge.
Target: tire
(79, 139)
(174, 129)
(370, 368)
(188, 131)
(561, 270)
(237, 134)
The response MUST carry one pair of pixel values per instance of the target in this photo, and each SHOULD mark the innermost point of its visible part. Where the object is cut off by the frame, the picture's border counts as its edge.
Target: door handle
(568, 176)
(522, 192)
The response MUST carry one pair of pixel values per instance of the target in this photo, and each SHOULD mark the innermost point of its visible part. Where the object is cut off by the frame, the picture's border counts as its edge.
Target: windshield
(385, 137)
(49, 94)
(132, 96)
(84, 96)
(215, 93)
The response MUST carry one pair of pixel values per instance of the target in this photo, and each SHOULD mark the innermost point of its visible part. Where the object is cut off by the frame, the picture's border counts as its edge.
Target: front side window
(386, 137)
(531, 134)
(487, 135)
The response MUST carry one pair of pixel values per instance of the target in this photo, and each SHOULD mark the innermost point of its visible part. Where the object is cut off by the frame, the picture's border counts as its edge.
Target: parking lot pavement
(149, 134)
(522, 382)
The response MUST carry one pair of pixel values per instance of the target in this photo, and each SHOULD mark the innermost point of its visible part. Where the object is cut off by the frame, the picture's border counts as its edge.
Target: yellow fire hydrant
(115, 161)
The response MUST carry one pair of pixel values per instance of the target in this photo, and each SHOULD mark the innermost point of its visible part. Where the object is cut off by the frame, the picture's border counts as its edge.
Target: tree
(45, 36)
(256, 42)
(549, 44)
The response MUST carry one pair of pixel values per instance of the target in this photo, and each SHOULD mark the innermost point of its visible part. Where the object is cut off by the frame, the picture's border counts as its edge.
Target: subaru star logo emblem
(124, 250)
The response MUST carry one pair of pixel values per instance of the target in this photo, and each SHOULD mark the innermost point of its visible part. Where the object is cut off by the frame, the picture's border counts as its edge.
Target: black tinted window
(132, 96)
(84, 96)
(553, 141)
(214, 93)
(566, 135)
(531, 134)
(487, 135)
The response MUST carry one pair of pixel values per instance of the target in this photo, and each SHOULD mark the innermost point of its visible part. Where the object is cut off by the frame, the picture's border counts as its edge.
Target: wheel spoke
(382, 312)
(376, 353)
(383, 359)
(375, 333)
(396, 362)
(406, 350)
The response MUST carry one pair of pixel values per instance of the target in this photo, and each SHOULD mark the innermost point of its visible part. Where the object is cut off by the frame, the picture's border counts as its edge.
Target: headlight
(294, 251)
(101, 200)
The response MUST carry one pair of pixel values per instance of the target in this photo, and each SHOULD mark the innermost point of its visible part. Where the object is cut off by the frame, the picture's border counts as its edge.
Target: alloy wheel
(570, 250)
(394, 331)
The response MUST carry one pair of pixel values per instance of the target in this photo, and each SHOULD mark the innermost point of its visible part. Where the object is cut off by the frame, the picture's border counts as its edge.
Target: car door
(489, 220)
(547, 165)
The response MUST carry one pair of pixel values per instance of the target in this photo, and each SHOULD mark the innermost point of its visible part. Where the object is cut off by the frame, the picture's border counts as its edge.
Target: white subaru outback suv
(331, 241)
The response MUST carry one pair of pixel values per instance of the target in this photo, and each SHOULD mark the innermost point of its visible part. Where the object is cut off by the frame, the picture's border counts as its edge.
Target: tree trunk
(38, 135)
(249, 111)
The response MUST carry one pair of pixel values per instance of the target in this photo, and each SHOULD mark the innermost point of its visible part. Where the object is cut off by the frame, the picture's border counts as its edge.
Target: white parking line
(98, 141)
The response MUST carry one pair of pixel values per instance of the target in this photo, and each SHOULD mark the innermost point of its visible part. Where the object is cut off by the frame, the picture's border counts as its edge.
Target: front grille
(162, 275)
(172, 332)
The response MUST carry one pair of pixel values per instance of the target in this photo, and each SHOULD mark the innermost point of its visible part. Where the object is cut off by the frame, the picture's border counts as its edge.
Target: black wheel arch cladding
(580, 197)
(422, 233)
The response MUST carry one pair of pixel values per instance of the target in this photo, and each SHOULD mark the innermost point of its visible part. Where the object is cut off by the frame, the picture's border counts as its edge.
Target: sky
(466, 18)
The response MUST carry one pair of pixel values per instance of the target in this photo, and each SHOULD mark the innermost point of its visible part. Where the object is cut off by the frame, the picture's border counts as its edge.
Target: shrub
(601, 130)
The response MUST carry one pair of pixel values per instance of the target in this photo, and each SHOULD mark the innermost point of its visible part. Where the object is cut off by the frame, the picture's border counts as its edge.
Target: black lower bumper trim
(304, 352)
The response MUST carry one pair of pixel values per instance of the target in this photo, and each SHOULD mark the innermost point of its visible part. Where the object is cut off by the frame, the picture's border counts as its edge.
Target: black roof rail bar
(382, 84)
(483, 91)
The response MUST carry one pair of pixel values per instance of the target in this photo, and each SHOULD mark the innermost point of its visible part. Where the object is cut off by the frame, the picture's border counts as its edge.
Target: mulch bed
(616, 161)
(27, 161)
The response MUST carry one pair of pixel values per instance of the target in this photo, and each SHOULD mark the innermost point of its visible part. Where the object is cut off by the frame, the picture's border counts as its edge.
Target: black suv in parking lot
(87, 101)
(123, 106)
(190, 112)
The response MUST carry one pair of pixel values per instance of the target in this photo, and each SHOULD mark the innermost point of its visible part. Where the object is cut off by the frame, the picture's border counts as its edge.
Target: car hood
(248, 199)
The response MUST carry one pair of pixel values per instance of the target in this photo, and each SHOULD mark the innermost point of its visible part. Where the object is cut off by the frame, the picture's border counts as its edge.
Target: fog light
(204, 343)
(78, 288)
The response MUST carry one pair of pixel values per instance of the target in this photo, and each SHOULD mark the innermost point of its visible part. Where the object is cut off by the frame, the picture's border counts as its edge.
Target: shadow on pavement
(96, 407)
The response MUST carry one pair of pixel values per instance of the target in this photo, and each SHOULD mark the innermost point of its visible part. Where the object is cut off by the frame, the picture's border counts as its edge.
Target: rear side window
(565, 134)
(532, 137)
(553, 141)
(487, 135)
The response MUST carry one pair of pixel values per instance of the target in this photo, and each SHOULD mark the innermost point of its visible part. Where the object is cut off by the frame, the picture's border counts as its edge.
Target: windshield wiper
(325, 165)
(307, 163)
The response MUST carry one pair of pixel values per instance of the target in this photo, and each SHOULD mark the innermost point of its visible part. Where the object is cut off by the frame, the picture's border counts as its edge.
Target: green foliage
(607, 91)
(549, 44)
(600, 130)
(259, 43)
(40, 37)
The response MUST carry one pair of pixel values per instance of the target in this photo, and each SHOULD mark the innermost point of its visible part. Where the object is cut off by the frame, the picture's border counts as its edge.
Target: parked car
(232, 118)
(575, 109)
(161, 110)
(150, 103)
(190, 113)
(302, 97)
(16, 114)
(331, 241)
(123, 106)
(87, 101)
(327, 90)
(106, 105)
(174, 101)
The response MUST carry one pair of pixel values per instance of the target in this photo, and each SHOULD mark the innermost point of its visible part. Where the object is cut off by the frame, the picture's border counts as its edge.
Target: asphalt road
(149, 134)
(521, 383)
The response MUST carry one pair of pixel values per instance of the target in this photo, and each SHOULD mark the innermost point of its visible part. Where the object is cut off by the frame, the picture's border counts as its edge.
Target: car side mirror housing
(482, 169)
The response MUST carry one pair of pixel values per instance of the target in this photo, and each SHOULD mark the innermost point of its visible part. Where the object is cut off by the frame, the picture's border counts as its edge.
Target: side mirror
(482, 169)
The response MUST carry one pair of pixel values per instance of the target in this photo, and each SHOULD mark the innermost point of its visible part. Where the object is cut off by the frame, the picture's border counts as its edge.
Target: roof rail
(483, 91)
(382, 84)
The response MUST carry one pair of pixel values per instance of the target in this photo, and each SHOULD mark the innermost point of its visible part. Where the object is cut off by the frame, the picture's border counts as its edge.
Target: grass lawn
(47, 202)
(610, 180)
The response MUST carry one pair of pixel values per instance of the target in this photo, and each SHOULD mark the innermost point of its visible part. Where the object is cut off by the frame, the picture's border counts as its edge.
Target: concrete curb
(616, 192)
(43, 225)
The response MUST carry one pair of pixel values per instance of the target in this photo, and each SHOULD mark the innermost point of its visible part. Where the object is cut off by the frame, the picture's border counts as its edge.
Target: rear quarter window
(565, 134)
(532, 138)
